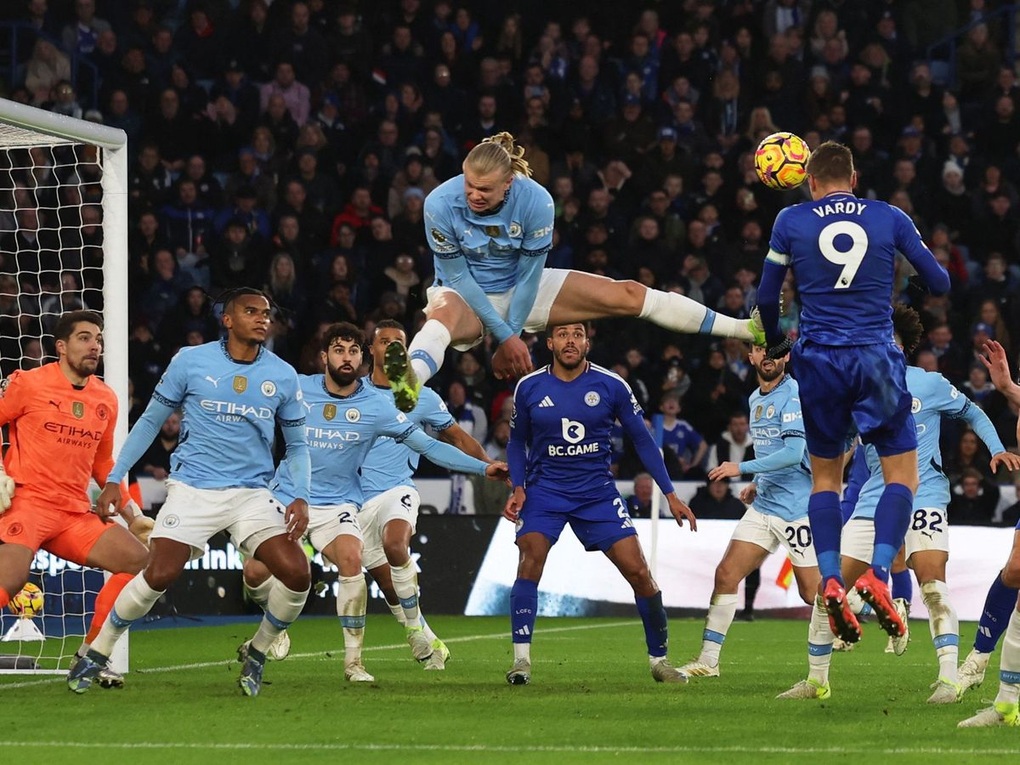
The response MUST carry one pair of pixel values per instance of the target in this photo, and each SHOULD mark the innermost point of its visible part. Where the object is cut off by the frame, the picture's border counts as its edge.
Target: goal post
(48, 146)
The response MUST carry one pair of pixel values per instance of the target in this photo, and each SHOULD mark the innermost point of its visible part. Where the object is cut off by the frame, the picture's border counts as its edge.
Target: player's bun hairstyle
(343, 330)
(831, 162)
(498, 153)
(67, 322)
(907, 327)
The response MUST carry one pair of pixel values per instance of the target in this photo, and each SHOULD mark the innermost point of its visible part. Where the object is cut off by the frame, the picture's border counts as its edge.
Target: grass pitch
(591, 700)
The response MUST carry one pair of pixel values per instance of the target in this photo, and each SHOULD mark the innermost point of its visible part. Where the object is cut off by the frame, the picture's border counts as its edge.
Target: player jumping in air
(344, 417)
(559, 454)
(927, 537)
(852, 375)
(61, 420)
(233, 393)
(777, 515)
(490, 230)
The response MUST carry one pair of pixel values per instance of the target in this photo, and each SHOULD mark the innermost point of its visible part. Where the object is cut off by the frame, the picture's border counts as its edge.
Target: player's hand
(681, 511)
(780, 349)
(748, 493)
(997, 364)
(511, 359)
(724, 470)
(7, 487)
(497, 471)
(512, 510)
(110, 501)
(1007, 459)
(296, 517)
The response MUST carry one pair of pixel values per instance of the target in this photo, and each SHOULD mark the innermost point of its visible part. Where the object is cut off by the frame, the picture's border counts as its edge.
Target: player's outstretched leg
(820, 640)
(720, 616)
(999, 604)
(404, 382)
(259, 594)
(405, 585)
(523, 610)
(1004, 711)
(945, 635)
(653, 618)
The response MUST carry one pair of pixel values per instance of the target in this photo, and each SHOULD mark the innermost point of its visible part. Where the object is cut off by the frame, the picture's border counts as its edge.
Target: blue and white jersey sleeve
(431, 410)
(777, 429)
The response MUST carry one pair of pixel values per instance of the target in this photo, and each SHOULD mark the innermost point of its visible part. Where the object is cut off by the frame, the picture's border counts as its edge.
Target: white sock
(720, 616)
(283, 606)
(854, 600)
(522, 651)
(432, 636)
(682, 314)
(405, 584)
(351, 604)
(260, 593)
(135, 601)
(428, 349)
(398, 612)
(820, 639)
(1009, 662)
(945, 627)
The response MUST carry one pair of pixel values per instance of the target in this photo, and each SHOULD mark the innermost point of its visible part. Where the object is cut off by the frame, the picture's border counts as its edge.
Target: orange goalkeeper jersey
(60, 436)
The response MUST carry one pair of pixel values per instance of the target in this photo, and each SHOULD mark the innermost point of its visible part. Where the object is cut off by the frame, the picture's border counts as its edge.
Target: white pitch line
(320, 654)
(514, 749)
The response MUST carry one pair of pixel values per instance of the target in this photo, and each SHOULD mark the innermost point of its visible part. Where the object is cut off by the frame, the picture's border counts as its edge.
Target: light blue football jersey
(843, 253)
(340, 432)
(492, 244)
(774, 416)
(933, 397)
(390, 463)
(230, 412)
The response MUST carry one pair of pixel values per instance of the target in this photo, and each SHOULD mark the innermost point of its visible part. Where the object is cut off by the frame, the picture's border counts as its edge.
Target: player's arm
(138, 441)
(443, 454)
(954, 405)
(629, 413)
(456, 436)
(11, 407)
(995, 361)
(908, 241)
(773, 273)
(517, 454)
(538, 228)
(443, 242)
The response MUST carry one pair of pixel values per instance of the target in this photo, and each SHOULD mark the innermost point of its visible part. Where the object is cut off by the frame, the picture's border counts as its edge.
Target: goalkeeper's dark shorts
(860, 388)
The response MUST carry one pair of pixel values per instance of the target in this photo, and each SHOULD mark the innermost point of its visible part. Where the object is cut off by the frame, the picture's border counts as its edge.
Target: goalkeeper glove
(778, 350)
(138, 524)
(6, 490)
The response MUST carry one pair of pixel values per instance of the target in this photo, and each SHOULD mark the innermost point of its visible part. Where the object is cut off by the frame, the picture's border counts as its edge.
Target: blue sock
(892, 516)
(653, 616)
(999, 605)
(523, 609)
(826, 526)
(902, 585)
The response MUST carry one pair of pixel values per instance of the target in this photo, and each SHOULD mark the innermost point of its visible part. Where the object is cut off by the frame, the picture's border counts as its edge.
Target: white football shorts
(191, 516)
(771, 531)
(327, 522)
(400, 503)
(538, 319)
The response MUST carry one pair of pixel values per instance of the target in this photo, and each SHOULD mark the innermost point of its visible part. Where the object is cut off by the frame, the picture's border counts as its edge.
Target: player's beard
(84, 368)
(570, 365)
(341, 378)
(777, 371)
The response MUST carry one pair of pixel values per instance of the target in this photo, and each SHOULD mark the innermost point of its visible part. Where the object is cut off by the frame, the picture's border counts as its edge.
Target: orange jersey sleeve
(60, 436)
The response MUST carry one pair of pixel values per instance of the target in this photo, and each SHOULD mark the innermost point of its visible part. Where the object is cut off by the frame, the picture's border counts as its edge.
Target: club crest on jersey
(770, 412)
(591, 398)
(352, 415)
(240, 383)
(915, 405)
(329, 411)
(171, 521)
(268, 388)
(757, 412)
(493, 230)
(102, 411)
(515, 229)
(78, 409)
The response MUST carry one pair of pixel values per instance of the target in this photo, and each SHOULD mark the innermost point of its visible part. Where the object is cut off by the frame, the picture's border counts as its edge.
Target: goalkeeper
(61, 420)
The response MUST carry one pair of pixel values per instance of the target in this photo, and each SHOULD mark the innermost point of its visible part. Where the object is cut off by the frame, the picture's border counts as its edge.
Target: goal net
(63, 246)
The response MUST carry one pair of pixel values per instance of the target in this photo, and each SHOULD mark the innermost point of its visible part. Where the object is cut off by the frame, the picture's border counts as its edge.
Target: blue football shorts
(857, 387)
(598, 522)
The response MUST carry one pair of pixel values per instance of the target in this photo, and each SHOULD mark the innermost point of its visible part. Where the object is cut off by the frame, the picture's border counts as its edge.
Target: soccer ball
(28, 602)
(780, 161)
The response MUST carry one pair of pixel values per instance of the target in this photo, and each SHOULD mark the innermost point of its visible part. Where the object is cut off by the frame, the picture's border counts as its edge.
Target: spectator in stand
(974, 500)
(155, 463)
(686, 443)
(295, 95)
(469, 416)
(734, 445)
(715, 500)
(45, 68)
(301, 44)
(79, 37)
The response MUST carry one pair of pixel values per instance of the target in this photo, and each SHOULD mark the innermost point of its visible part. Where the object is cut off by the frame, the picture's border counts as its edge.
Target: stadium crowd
(291, 145)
